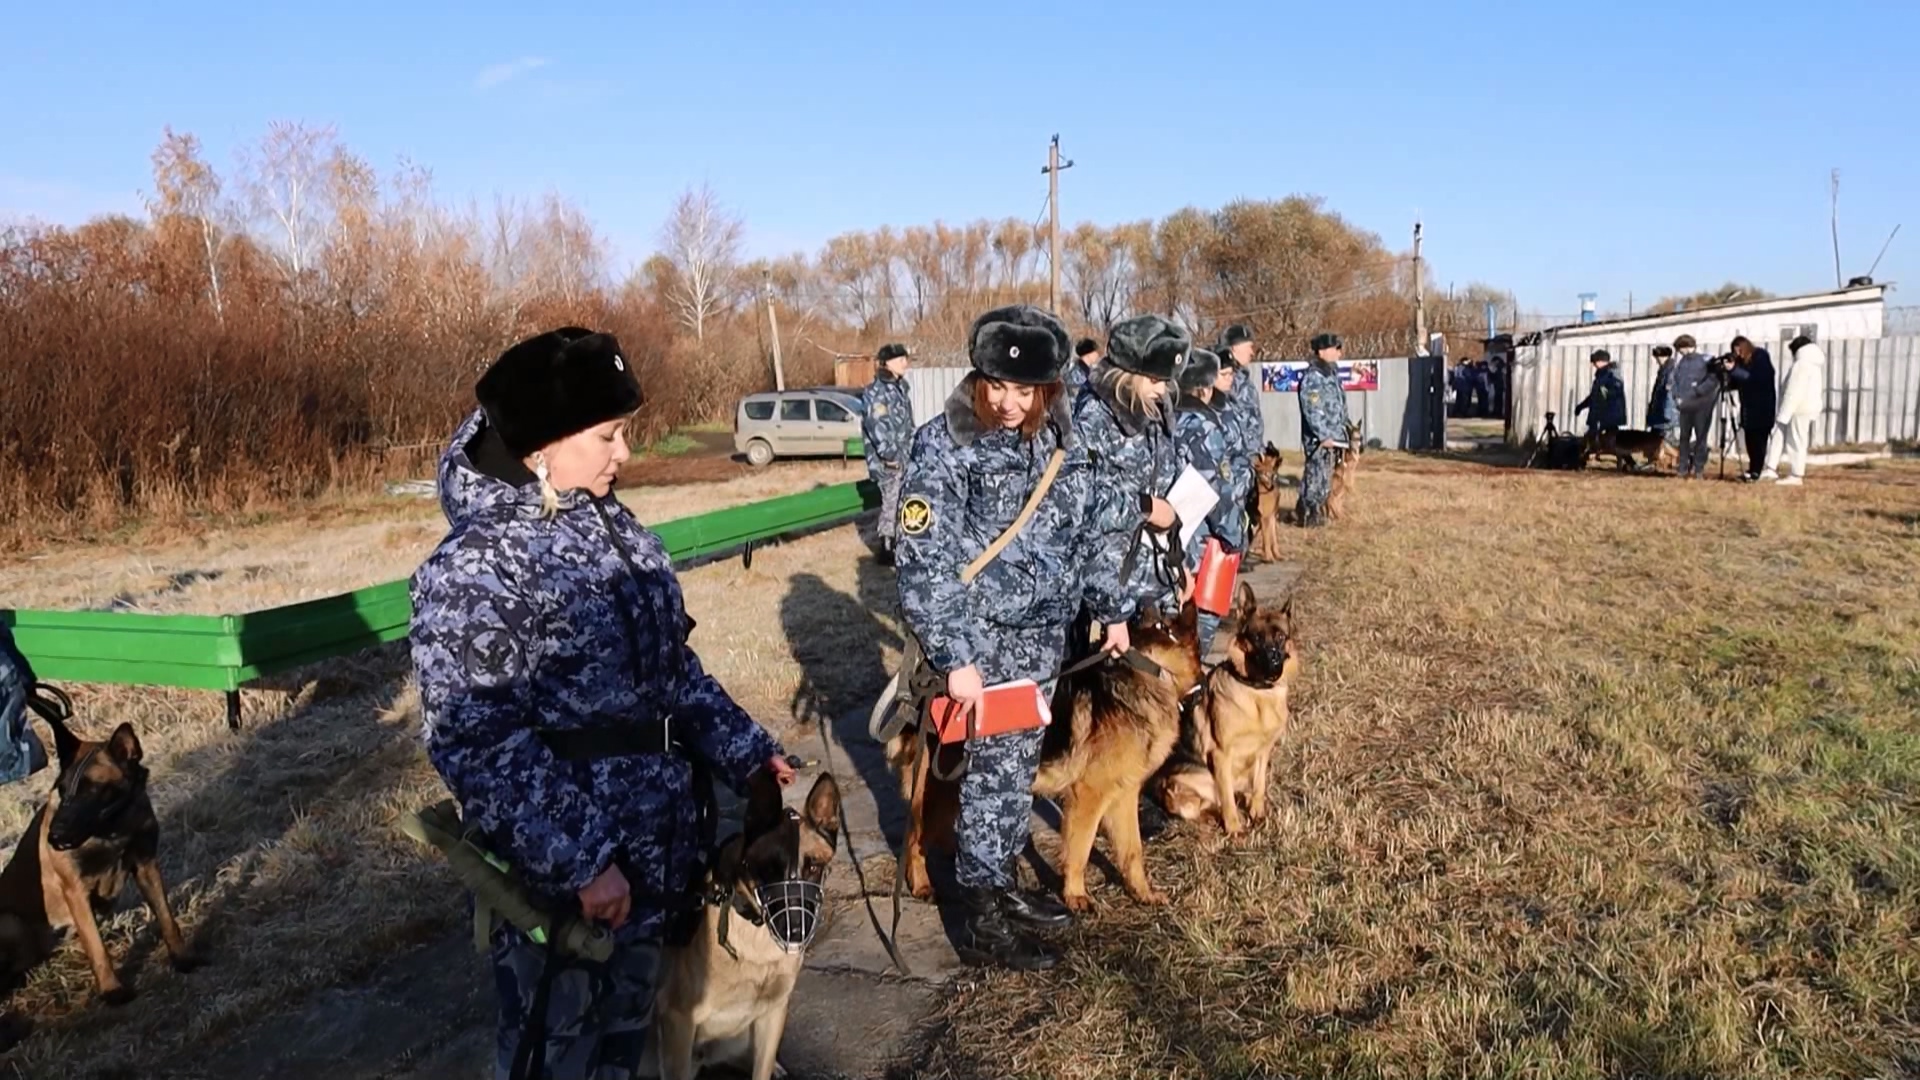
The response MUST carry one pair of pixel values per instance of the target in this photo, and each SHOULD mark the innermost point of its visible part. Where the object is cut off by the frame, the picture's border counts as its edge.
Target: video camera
(1721, 368)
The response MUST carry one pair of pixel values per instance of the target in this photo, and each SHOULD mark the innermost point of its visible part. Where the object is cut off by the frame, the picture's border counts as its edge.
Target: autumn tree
(702, 241)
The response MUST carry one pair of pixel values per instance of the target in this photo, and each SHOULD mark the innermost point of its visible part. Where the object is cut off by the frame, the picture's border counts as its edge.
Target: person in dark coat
(972, 470)
(549, 640)
(886, 430)
(1662, 418)
(1086, 357)
(1606, 401)
(1752, 375)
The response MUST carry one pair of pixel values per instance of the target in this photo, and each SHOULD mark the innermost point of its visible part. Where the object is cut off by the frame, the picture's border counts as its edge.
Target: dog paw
(1151, 898)
(186, 962)
(1078, 903)
(118, 996)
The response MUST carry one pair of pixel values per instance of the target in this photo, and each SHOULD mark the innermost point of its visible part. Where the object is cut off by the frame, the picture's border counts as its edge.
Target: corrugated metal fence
(1873, 387)
(1406, 413)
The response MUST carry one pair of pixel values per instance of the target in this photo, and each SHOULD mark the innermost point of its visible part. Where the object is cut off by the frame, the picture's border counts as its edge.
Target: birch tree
(702, 241)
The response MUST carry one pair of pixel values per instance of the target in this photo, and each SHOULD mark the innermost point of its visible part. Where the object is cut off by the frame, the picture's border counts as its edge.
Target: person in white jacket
(1802, 400)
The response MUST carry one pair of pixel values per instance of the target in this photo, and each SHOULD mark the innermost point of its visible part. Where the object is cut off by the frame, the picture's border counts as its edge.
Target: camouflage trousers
(996, 804)
(1316, 482)
(890, 478)
(597, 1013)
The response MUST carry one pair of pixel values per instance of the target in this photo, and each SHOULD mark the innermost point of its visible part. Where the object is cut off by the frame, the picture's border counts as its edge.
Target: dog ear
(1286, 612)
(823, 808)
(1245, 603)
(125, 745)
(765, 810)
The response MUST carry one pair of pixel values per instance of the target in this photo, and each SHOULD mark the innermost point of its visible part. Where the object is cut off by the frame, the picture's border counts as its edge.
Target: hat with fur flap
(557, 384)
(1149, 345)
(1203, 366)
(1019, 344)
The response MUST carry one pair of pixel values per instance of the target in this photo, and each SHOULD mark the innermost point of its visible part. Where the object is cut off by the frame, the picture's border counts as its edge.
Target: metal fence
(1873, 387)
(1406, 412)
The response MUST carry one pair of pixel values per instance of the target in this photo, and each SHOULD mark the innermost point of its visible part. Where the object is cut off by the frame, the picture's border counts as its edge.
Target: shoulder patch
(493, 659)
(916, 515)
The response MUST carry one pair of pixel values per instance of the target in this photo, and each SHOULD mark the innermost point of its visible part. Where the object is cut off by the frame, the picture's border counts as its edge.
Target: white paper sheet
(1192, 498)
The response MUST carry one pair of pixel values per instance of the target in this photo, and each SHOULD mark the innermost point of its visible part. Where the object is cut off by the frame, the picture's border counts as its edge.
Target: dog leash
(887, 942)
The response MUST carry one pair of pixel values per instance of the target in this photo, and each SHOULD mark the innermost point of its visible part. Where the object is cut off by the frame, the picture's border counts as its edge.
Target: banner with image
(1283, 377)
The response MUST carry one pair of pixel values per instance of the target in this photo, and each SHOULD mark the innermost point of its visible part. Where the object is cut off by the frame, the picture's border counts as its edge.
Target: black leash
(886, 941)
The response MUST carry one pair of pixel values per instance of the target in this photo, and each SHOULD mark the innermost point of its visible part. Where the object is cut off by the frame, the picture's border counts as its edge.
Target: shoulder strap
(1026, 514)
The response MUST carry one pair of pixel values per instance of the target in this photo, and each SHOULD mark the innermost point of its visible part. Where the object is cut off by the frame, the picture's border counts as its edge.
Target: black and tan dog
(1623, 444)
(724, 995)
(1343, 472)
(1228, 737)
(1113, 726)
(96, 829)
(1263, 506)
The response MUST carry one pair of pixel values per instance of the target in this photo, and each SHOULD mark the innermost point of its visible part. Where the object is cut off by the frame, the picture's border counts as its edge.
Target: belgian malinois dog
(1113, 726)
(724, 995)
(96, 829)
(1343, 471)
(1263, 506)
(1228, 737)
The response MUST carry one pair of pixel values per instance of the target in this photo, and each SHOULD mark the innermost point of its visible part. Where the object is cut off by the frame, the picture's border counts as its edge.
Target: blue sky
(1552, 149)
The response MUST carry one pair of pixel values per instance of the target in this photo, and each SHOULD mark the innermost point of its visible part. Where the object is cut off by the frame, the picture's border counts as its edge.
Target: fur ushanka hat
(1019, 344)
(557, 384)
(1203, 366)
(1148, 345)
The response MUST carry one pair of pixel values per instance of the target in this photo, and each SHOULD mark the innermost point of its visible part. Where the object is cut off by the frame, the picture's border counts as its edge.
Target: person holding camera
(1752, 376)
(1695, 386)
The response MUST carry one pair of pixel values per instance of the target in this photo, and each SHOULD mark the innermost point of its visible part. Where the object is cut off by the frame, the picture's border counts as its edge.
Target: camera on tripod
(1721, 367)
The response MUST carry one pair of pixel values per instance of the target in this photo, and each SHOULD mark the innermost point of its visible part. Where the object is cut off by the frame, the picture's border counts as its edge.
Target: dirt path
(428, 1014)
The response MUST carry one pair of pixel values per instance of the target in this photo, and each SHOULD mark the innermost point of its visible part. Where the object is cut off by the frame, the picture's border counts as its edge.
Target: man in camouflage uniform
(1202, 426)
(1245, 428)
(969, 477)
(1086, 357)
(550, 644)
(886, 429)
(1135, 457)
(1323, 429)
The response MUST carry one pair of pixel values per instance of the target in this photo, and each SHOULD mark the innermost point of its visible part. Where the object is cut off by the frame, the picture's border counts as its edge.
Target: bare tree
(285, 183)
(186, 186)
(703, 242)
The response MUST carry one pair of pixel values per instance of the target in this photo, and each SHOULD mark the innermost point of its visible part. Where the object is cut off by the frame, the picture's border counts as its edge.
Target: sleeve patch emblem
(916, 516)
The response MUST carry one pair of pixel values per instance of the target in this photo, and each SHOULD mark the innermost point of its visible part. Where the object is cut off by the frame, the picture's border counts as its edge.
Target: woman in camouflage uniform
(1205, 429)
(550, 644)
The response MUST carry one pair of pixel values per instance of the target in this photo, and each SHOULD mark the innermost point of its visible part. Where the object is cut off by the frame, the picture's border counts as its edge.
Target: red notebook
(1010, 706)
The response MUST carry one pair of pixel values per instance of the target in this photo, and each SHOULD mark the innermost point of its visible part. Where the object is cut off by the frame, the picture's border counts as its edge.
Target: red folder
(1213, 583)
(1010, 706)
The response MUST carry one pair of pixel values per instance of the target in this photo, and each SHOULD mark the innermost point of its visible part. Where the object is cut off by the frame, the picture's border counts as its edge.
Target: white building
(1857, 312)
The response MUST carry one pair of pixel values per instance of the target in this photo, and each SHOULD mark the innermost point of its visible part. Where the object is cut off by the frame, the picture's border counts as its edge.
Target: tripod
(1727, 410)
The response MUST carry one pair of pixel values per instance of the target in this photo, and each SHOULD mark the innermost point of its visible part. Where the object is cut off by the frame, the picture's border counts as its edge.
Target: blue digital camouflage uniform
(21, 752)
(523, 623)
(1203, 429)
(1075, 378)
(1246, 437)
(886, 429)
(1323, 418)
(965, 485)
(1130, 455)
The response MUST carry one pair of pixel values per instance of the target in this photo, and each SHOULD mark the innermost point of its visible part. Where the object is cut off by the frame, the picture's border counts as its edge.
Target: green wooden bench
(225, 652)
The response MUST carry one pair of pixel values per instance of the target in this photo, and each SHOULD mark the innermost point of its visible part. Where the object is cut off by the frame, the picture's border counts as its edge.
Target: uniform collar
(965, 427)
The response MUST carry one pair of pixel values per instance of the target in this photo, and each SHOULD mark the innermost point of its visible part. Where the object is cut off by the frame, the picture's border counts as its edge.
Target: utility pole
(1834, 203)
(1629, 303)
(1052, 169)
(773, 321)
(1419, 297)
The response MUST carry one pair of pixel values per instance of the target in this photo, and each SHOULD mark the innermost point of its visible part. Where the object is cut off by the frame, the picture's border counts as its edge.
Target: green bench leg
(233, 710)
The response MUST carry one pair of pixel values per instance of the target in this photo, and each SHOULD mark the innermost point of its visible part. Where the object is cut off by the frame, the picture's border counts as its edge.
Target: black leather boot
(1032, 907)
(990, 939)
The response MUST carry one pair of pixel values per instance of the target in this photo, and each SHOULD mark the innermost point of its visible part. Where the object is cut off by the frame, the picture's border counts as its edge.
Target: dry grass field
(1591, 776)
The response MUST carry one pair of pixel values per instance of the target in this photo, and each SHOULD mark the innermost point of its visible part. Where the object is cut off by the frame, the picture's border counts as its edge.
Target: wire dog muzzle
(791, 908)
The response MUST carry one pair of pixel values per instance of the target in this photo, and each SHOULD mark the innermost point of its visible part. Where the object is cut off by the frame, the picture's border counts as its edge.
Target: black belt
(627, 740)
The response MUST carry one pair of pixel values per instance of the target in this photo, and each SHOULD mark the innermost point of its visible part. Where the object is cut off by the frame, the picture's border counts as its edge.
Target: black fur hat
(1149, 345)
(1203, 366)
(557, 384)
(889, 351)
(1324, 341)
(1019, 344)
(1237, 334)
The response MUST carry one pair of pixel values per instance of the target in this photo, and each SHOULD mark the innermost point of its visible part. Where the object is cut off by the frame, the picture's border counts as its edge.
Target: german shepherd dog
(723, 996)
(1228, 738)
(1622, 444)
(96, 829)
(1343, 471)
(1263, 506)
(1113, 726)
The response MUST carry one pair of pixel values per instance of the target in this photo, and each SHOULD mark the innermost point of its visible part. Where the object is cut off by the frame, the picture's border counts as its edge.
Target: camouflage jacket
(522, 624)
(1246, 430)
(1075, 378)
(1131, 455)
(21, 752)
(964, 486)
(1202, 428)
(1323, 406)
(886, 422)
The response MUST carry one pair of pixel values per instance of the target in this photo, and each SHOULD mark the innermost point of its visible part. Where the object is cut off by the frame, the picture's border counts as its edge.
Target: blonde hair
(549, 498)
(1136, 392)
